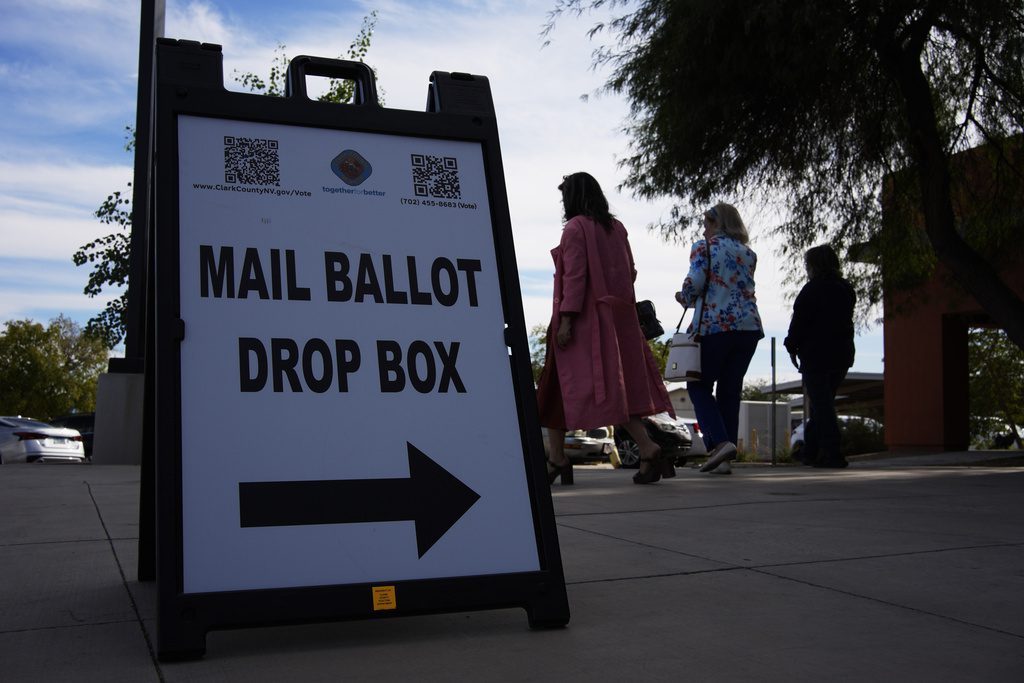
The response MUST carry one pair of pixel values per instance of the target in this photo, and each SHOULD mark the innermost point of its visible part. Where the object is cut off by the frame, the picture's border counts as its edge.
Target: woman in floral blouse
(729, 326)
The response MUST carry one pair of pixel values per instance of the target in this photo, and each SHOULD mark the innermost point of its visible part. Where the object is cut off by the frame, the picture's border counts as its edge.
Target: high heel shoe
(653, 472)
(563, 471)
(667, 467)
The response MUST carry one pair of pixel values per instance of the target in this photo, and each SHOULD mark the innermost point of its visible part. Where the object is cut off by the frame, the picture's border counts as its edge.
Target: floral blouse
(731, 305)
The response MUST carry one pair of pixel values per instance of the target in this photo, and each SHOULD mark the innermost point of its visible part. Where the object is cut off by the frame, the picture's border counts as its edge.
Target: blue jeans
(821, 429)
(724, 359)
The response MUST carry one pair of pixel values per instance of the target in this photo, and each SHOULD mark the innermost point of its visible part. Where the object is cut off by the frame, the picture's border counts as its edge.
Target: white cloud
(46, 210)
(51, 237)
(85, 37)
(198, 21)
(17, 303)
(59, 183)
(67, 70)
(41, 274)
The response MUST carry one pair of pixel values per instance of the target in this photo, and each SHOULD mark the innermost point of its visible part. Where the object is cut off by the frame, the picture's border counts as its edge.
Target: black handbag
(649, 323)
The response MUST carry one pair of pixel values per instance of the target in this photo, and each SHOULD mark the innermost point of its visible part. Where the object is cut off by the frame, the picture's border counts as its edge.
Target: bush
(860, 436)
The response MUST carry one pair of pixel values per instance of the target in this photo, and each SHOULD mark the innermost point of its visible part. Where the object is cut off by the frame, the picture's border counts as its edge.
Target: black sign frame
(189, 82)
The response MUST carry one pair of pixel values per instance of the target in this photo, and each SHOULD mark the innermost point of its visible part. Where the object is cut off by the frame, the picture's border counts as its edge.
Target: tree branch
(979, 54)
(973, 272)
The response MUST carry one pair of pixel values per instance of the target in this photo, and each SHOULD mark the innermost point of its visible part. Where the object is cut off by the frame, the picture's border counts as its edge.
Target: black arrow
(431, 497)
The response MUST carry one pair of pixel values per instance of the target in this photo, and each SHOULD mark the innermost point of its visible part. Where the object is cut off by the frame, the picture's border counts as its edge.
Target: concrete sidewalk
(887, 571)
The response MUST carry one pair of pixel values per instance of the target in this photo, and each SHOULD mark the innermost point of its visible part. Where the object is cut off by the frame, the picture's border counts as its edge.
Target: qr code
(435, 177)
(251, 161)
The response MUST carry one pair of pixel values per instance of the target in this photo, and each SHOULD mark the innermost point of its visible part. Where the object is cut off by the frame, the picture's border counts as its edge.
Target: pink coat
(607, 372)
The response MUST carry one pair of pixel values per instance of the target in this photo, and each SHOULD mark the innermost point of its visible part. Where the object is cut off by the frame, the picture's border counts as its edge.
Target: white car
(796, 439)
(23, 439)
(697, 447)
(583, 446)
(671, 434)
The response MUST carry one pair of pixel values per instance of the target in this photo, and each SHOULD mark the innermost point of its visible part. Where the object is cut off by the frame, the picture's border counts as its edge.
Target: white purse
(683, 364)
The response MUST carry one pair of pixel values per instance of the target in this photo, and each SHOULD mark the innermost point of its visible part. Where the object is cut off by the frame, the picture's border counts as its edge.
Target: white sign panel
(347, 407)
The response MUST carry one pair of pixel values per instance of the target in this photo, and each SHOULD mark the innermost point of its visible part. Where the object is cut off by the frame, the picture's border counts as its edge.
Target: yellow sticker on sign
(384, 598)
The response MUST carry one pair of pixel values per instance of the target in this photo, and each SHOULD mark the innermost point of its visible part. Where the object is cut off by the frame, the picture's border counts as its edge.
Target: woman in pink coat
(599, 370)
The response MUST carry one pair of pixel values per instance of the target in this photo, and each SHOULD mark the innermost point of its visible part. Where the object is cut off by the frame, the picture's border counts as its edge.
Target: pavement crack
(61, 627)
(127, 590)
(664, 575)
(632, 541)
(888, 603)
(718, 506)
(62, 542)
(882, 556)
(764, 569)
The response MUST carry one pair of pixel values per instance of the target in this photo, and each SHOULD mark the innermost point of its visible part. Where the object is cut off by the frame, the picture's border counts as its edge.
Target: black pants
(821, 431)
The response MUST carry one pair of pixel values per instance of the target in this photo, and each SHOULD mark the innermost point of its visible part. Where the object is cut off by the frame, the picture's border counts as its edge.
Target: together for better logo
(351, 167)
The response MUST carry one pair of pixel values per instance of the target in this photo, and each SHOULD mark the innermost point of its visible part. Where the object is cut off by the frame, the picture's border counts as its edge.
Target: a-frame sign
(345, 421)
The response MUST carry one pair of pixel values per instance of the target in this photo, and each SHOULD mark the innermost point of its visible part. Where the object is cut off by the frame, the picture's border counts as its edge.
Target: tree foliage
(48, 371)
(757, 390)
(660, 349)
(996, 386)
(338, 91)
(858, 436)
(814, 104)
(538, 340)
(109, 255)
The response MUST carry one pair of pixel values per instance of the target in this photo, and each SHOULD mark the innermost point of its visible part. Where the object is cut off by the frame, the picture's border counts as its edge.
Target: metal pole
(774, 420)
(151, 27)
(139, 316)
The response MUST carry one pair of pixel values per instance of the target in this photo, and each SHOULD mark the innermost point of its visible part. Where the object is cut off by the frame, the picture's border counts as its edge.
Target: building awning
(859, 391)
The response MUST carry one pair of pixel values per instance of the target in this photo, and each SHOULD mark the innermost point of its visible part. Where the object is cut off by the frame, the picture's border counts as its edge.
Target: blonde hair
(730, 223)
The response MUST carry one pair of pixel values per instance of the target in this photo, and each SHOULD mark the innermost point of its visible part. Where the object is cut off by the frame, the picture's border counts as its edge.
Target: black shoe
(563, 471)
(666, 466)
(653, 472)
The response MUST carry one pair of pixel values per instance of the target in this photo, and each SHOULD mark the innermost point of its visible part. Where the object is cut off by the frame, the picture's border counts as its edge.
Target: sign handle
(304, 65)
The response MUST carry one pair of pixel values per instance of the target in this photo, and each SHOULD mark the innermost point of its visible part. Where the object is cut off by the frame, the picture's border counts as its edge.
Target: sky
(68, 76)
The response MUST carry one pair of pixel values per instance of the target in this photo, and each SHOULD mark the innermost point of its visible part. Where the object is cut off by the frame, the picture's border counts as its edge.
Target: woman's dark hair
(582, 196)
(822, 262)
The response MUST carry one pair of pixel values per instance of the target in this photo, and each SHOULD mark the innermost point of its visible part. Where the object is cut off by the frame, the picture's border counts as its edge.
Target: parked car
(698, 448)
(584, 446)
(846, 422)
(1005, 441)
(670, 433)
(796, 439)
(993, 433)
(23, 439)
(84, 423)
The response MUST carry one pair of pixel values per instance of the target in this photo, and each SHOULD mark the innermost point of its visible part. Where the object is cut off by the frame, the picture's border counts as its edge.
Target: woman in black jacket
(820, 342)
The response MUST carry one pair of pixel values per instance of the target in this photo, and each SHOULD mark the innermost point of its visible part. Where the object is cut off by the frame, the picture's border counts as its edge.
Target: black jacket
(821, 331)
